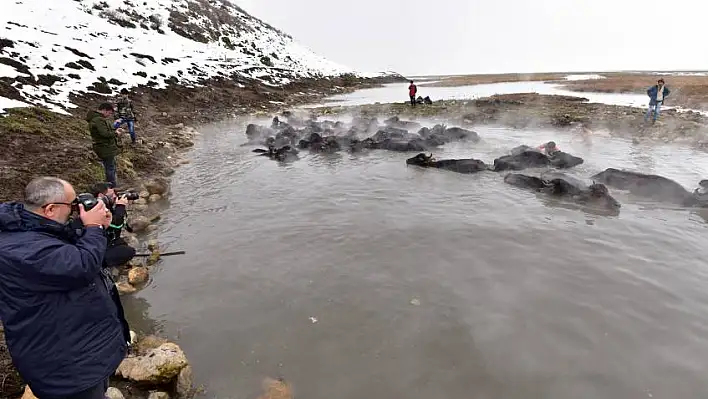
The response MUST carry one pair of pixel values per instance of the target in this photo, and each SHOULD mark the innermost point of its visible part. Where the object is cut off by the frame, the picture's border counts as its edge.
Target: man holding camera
(119, 252)
(62, 326)
(105, 139)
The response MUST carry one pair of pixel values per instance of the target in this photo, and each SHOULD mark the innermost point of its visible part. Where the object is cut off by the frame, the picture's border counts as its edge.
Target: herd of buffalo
(284, 139)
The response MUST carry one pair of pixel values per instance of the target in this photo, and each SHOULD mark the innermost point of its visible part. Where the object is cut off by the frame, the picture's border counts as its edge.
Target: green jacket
(105, 142)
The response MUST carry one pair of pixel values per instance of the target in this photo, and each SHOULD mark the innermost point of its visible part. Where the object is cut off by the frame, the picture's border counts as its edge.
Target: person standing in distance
(126, 113)
(412, 91)
(105, 139)
(61, 325)
(657, 94)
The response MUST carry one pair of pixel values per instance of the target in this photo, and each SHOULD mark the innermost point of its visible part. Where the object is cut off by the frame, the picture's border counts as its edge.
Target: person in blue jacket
(657, 94)
(62, 327)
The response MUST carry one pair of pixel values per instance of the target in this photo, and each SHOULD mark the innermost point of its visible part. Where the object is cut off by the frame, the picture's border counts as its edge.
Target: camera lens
(87, 200)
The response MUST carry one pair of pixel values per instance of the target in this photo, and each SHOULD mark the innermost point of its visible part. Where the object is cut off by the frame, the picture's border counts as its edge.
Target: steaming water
(355, 276)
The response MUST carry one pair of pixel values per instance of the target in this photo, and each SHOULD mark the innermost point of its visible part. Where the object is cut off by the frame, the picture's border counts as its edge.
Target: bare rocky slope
(51, 51)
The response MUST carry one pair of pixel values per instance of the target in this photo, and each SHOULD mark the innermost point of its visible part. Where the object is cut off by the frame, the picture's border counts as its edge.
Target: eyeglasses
(72, 203)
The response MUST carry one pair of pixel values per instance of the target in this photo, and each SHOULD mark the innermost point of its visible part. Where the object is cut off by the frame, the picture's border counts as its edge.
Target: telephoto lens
(130, 196)
(87, 200)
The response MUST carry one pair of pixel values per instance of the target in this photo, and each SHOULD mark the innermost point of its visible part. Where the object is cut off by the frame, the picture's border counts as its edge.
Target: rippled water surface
(431, 284)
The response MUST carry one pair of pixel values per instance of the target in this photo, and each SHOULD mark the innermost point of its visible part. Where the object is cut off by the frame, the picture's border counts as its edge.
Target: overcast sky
(420, 37)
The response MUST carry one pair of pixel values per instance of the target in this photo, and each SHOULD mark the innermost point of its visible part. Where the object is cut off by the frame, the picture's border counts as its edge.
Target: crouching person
(119, 252)
(62, 327)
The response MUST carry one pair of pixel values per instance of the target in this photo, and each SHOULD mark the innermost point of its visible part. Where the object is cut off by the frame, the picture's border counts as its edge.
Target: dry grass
(464, 80)
(686, 91)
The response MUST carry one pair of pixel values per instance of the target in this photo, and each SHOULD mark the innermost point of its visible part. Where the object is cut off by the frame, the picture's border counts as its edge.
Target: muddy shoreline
(530, 110)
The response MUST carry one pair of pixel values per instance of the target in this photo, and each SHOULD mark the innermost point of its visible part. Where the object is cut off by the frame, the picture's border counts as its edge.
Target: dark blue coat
(61, 325)
(653, 91)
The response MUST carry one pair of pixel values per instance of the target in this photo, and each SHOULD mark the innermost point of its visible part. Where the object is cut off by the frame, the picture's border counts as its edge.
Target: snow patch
(6, 103)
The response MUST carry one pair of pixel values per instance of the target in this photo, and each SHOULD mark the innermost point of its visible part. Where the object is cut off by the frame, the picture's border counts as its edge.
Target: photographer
(63, 329)
(118, 252)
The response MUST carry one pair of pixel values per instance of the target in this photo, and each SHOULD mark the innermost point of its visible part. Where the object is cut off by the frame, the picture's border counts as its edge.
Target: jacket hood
(15, 217)
(92, 114)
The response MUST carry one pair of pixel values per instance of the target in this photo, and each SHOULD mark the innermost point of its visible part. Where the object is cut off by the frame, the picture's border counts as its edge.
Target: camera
(130, 196)
(89, 201)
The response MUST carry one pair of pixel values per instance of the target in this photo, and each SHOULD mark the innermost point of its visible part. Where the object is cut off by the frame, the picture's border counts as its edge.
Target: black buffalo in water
(284, 153)
(654, 187)
(316, 143)
(414, 144)
(456, 165)
(332, 136)
(395, 139)
(444, 134)
(397, 122)
(562, 185)
(258, 134)
(523, 157)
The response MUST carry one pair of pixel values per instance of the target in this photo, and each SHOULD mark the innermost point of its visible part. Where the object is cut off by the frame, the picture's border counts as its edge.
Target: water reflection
(137, 313)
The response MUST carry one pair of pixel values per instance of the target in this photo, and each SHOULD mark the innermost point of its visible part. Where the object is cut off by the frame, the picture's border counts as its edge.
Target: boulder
(125, 288)
(141, 200)
(130, 239)
(276, 389)
(139, 223)
(138, 275)
(153, 245)
(185, 382)
(114, 393)
(28, 393)
(157, 186)
(158, 366)
(144, 194)
(153, 258)
(140, 207)
(158, 395)
(154, 198)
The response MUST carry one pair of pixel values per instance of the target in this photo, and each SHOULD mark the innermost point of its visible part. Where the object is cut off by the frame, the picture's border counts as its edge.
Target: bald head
(50, 197)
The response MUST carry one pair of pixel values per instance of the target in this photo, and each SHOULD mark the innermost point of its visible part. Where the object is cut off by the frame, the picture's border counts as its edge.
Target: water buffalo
(316, 143)
(395, 121)
(523, 157)
(415, 144)
(460, 134)
(456, 165)
(654, 187)
(257, 134)
(566, 186)
(521, 160)
(284, 153)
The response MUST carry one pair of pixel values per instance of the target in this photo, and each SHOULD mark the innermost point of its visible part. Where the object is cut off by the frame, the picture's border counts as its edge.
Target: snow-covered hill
(51, 48)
